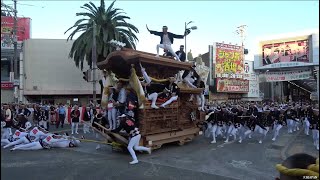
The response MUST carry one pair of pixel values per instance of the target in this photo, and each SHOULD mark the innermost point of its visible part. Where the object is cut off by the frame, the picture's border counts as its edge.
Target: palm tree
(111, 23)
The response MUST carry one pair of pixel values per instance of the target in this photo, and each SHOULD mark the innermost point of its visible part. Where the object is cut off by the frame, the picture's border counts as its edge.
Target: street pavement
(196, 160)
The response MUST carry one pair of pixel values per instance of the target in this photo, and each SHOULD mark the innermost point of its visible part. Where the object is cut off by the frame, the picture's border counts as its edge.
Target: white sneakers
(213, 142)
(154, 107)
(98, 147)
(134, 162)
(273, 139)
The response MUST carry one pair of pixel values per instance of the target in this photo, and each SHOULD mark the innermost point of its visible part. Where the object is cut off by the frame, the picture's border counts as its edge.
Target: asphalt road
(196, 160)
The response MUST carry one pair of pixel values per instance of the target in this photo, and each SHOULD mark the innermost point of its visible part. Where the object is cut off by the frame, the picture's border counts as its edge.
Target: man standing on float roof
(166, 40)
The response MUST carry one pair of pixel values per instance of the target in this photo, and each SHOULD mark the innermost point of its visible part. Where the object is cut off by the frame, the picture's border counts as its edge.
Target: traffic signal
(86, 76)
(245, 51)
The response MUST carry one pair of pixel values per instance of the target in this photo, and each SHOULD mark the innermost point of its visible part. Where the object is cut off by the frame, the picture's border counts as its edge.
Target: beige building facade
(50, 76)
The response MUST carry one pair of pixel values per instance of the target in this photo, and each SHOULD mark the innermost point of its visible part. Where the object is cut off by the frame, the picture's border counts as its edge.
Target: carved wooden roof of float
(119, 62)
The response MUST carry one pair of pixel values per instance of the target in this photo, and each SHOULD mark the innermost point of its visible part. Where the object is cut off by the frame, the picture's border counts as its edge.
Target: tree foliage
(111, 23)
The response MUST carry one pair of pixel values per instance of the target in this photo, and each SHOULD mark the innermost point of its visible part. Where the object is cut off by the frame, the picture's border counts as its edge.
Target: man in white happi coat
(108, 79)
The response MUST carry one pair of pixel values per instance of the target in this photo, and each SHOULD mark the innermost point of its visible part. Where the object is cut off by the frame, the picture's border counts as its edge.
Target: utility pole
(15, 46)
(241, 32)
(94, 63)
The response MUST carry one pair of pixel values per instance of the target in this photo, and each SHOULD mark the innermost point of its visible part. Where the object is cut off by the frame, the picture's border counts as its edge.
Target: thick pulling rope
(141, 78)
(114, 144)
(312, 170)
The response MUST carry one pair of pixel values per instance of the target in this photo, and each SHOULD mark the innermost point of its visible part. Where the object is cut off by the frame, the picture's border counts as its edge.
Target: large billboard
(23, 31)
(285, 52)
(228, 61)
(232, 85)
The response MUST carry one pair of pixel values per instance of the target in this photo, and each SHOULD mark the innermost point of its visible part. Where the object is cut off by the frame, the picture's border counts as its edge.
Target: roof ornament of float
(117, 44)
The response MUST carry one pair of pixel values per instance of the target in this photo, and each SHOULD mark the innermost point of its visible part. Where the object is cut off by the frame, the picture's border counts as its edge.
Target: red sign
(232, 85)
(6, 85)
(286, 51)
(23, 31)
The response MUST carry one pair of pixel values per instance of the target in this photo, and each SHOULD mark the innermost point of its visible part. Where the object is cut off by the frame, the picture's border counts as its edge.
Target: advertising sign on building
(23, 31)
(6, 85)
(252, 77)
(291, 51)
(232, 85)
(288, 75)
(228, 61)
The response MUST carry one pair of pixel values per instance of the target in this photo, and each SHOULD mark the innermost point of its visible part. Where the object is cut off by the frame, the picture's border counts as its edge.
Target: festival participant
(315, 129)
(18, 134)
(279, 123)
(151, 90)
(62, 116)
(202, 98)
(52, 113)
(290, 116)
(250, 123)
(24, 110)
(189, 78)
(36, 145)
(98, 119)
(36, 114)
(34, 135)
(112, 111)
(43, 118)
(296, 118)
(232, 123)
(22, 122)
(307, 114)
(267, 122)
(120, 103)
(86, 119)
(215, 127)
(129, 126)
(75, 118)
(167, 54)
(166, 40)
(8, 122)
(60, 141)
(173, 92)
(181, 54)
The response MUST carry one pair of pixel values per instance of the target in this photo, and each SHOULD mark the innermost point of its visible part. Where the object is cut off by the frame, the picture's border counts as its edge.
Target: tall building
(50, 76)
(288, 65)
(10, 82)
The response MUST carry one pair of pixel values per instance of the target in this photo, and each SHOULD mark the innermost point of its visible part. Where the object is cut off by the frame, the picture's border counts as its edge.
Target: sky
(217, 21)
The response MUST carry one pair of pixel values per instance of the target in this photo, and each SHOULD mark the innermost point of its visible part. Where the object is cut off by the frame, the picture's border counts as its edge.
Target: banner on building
(288, 75)
(6, 85)
(250, 77)
(253, 89)
(229, 61)
(232, 85)
(23, 31)
(285, 52)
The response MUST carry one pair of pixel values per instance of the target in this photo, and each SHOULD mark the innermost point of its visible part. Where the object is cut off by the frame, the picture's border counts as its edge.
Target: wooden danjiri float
(178, 122)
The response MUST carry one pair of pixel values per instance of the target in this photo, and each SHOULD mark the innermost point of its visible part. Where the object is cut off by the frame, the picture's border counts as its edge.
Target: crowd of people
(242, 119)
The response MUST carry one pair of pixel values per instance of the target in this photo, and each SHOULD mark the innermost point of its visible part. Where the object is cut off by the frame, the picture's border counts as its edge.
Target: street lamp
(187, 31)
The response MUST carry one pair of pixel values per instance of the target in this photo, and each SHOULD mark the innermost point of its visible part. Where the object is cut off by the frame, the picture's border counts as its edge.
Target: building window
(5, 70)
